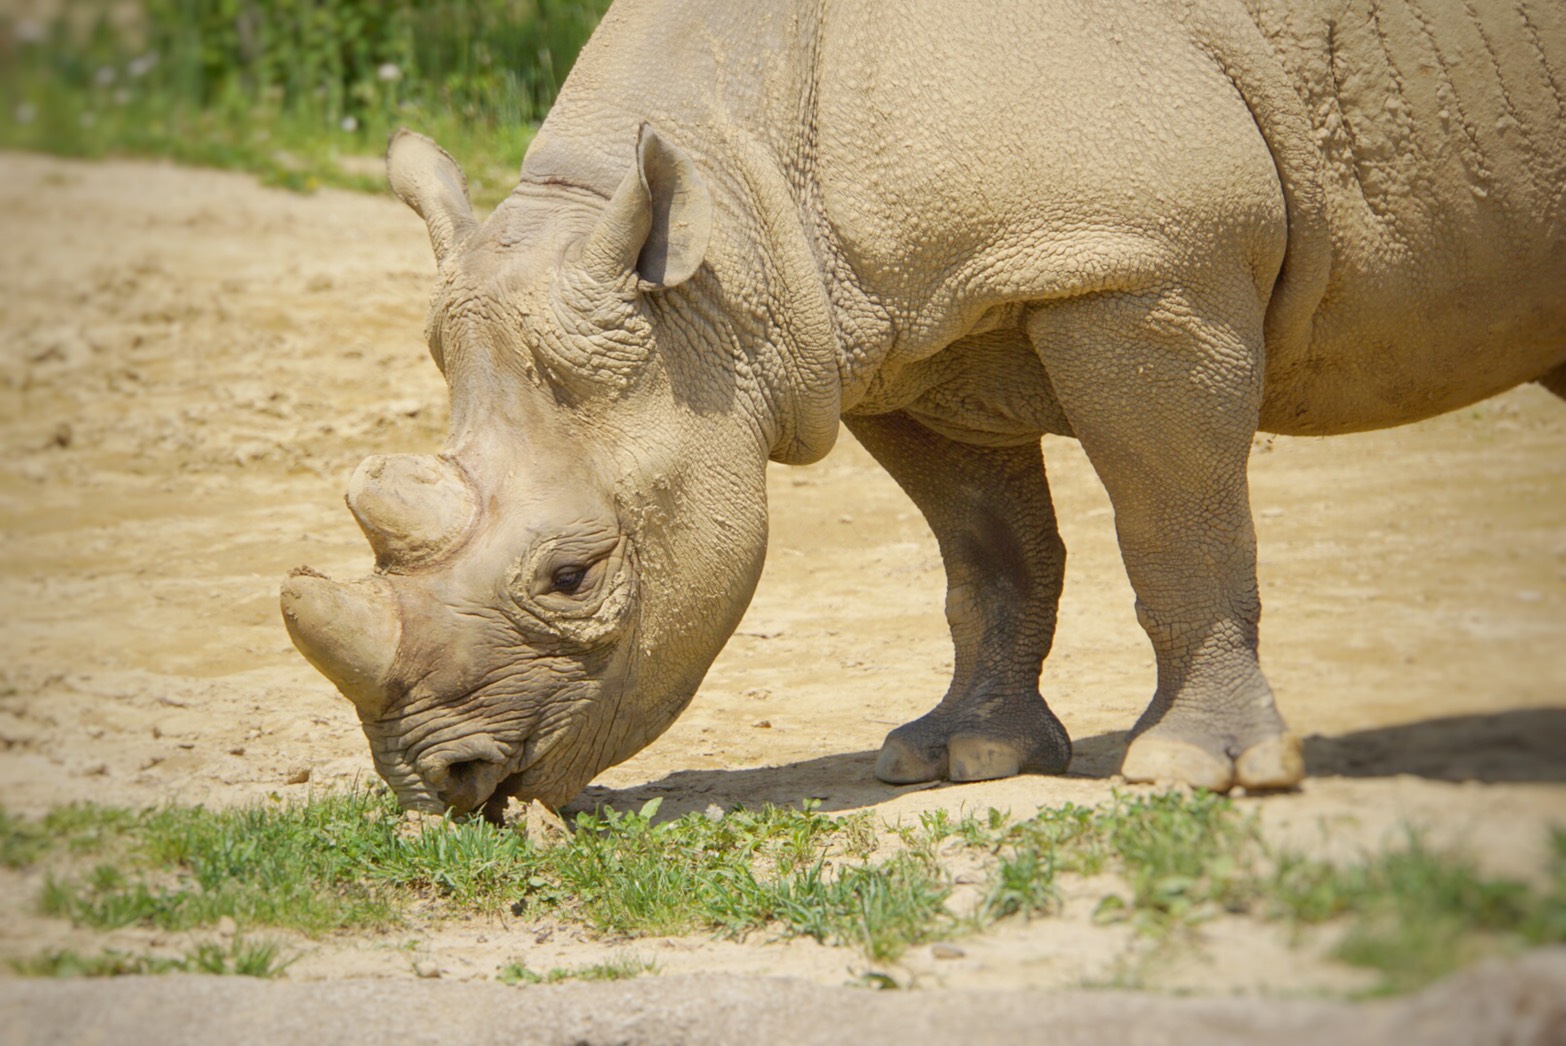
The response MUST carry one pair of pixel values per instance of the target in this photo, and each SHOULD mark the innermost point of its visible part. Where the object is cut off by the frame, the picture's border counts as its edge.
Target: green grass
(288, 88)
(347, 861)
(619, 969)
(239, 958)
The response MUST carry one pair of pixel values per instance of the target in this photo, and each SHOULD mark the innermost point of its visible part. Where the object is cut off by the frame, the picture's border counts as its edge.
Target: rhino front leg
(1163, 390)
(990, 511)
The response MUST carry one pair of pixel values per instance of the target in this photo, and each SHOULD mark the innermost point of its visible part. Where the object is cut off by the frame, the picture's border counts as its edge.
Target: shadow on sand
(1527, 745)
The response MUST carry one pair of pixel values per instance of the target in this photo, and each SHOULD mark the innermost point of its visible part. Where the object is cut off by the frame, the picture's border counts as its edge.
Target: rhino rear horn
(348, 630)
(658, 221)
(426, 178)
(412, 507)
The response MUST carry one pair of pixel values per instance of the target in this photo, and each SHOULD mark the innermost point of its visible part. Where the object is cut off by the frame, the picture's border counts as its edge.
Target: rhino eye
(567, 580)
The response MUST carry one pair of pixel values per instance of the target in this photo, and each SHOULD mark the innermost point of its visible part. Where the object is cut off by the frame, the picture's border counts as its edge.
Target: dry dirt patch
(191, 367)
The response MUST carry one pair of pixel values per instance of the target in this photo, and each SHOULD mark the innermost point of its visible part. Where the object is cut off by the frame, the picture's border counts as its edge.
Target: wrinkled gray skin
(1157, 227)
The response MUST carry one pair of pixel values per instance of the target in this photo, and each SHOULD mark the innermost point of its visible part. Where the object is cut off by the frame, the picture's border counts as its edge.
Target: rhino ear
(658, 221)
(427, 179)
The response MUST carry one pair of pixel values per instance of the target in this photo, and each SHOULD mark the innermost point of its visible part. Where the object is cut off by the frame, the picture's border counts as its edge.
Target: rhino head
(552, 586)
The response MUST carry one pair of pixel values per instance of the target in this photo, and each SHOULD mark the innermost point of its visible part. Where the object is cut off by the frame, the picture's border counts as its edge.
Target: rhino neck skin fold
(1155, 227)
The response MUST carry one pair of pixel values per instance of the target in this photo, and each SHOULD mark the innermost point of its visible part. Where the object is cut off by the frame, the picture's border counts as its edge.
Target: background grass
(291, 89)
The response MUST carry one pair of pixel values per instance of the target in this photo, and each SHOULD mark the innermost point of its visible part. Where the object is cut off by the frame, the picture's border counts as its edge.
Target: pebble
(426, 969)
(298, 775)
(942, 950)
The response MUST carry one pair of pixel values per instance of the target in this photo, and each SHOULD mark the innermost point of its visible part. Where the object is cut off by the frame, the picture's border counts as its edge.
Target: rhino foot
(1018, 737)
(1271, 763)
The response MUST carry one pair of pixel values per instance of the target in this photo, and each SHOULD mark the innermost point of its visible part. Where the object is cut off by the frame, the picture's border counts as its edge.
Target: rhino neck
(751, 147)
(801, 358)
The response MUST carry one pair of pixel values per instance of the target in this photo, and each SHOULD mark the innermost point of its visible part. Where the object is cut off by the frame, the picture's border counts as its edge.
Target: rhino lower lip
(493, 809)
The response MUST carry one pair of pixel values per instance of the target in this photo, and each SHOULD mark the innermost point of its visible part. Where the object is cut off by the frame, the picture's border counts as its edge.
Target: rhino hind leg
(1166, 412)
(991, 513)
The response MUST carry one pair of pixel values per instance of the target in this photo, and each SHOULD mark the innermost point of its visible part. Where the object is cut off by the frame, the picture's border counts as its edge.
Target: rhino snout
(465, 775)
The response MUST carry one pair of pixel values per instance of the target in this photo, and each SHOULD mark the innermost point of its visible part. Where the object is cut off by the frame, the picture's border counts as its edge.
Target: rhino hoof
(1161, 760)
(1271, 764)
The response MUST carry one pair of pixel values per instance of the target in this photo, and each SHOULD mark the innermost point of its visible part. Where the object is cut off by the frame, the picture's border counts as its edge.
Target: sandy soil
(191, 366)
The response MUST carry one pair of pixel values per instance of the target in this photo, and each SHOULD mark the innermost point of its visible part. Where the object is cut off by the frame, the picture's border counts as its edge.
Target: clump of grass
(622, 968)
(1416, 915)
(238, 958)
(298, 866)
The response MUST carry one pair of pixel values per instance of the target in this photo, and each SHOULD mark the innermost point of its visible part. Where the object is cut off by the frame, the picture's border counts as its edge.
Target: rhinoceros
(1156, 226)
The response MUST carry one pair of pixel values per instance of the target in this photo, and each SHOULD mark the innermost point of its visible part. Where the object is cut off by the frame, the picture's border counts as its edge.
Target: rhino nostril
(462, 774)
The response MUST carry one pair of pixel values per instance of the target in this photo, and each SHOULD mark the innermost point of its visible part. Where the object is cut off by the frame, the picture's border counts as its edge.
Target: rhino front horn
(348, 630)
(412, 507)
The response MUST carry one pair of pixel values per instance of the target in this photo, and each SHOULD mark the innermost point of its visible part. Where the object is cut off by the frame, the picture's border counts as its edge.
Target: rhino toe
(1165, 760)
(1271, 764)
(907, 759)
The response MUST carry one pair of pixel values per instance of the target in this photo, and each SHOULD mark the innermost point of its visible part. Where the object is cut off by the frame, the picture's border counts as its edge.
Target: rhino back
(953, 162)
(1442, 130)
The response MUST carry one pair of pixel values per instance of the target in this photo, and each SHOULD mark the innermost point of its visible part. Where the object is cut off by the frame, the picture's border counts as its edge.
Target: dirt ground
(191, 366)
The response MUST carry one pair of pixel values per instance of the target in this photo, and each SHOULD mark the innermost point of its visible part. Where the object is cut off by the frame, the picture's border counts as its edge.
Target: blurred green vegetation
(303, 92)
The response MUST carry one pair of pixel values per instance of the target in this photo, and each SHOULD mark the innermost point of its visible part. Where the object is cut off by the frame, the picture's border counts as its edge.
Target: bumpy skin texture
(1158, 226)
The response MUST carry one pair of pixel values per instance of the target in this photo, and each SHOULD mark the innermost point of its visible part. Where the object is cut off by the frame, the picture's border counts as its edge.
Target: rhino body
(1155, 226)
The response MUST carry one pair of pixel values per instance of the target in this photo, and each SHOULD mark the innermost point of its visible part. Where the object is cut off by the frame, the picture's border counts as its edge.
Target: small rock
(541, 824)
(765, 724)
(227, 927)
(942, 950)
(297, 776)
(237, 750)
(62, 435)
(426, 969)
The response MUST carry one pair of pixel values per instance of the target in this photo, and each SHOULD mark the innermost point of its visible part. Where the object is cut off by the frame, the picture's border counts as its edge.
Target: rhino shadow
(1527, 744)
(1524, 745)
